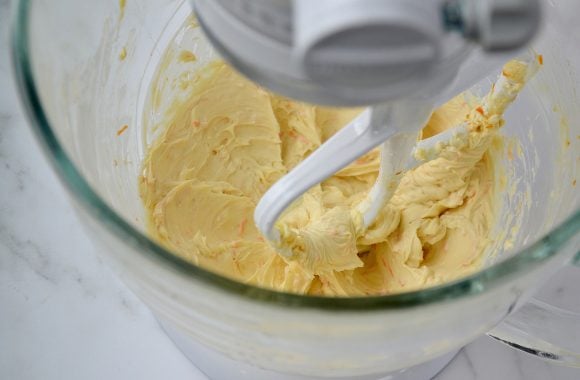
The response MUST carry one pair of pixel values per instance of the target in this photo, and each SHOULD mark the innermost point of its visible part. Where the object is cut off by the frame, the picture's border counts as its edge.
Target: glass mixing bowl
(84, 70)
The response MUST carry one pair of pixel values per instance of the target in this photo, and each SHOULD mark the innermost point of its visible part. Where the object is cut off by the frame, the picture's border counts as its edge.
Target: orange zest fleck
(242, 226)
(196, 123)
(505, 73)
(386, 264)
(540, 59)
(122, 130)
(302, 139)
(480, 110)
(574, 183)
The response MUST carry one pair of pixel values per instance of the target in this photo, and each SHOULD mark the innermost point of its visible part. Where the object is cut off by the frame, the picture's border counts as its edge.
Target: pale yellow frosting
(230, 140)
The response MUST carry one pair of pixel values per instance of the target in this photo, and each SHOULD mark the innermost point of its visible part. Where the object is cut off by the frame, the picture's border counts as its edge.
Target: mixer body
(361, 52)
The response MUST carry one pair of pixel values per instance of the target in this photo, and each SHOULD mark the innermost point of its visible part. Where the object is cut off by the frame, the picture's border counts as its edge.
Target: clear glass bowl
(84, 70)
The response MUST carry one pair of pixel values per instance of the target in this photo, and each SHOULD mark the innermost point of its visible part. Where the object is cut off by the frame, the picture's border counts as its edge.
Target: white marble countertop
(63, 314)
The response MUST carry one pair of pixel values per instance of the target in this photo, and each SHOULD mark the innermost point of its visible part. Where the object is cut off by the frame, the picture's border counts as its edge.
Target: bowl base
(217, 366)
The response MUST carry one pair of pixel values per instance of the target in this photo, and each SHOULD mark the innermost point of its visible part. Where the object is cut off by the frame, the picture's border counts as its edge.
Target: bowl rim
(528, 258)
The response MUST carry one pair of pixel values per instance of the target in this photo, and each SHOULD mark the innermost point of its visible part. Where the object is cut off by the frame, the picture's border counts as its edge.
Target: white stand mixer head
(360, 52)
(350, 52)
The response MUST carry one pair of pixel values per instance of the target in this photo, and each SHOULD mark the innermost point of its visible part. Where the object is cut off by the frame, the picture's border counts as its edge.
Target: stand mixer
(361, 52)
(72, 82)
(403, 57)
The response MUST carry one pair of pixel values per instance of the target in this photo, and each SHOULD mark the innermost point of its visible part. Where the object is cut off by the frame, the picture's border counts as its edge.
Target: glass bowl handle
(539, 328)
